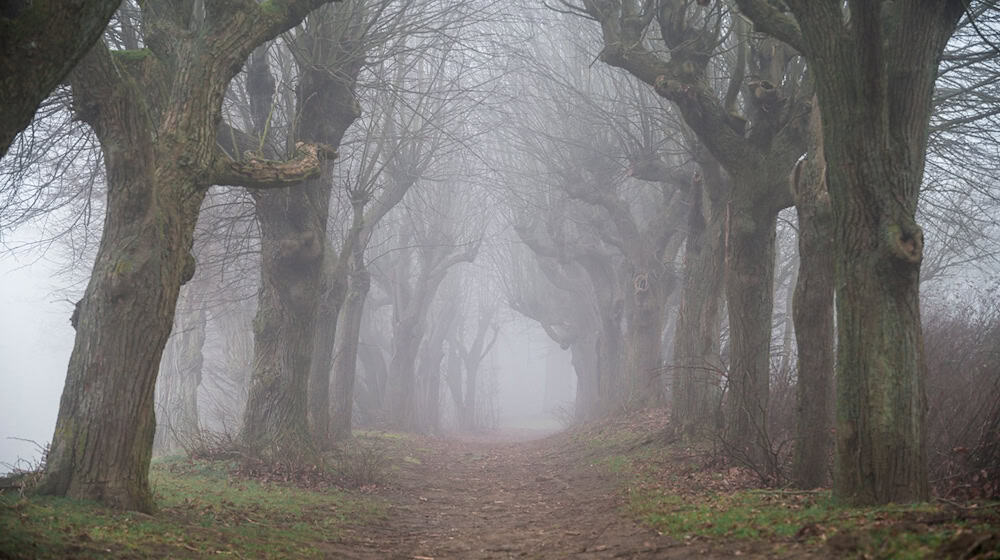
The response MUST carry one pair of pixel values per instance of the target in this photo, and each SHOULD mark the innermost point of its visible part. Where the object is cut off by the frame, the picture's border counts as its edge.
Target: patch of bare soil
(478, 498)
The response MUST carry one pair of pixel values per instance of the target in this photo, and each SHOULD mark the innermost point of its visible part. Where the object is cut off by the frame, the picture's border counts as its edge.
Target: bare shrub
(771, 460)
(23, 475)
(962, 352)
(361, 462)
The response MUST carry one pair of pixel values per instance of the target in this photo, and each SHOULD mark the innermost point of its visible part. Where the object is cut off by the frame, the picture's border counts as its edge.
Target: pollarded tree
(42, 41)
(755, 128)
(329, 53)
(875, 65)
(155, 112)
(414, 282)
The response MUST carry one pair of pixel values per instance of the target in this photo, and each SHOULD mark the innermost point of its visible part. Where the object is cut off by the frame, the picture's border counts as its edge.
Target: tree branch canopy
(257, 173)
(769, 19)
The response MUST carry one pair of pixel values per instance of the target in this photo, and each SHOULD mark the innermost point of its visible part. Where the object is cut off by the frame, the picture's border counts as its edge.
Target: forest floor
(621, 489)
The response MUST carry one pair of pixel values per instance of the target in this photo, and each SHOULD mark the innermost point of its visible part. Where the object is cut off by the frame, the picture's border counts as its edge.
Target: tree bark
(812, 310)
(645, 315)
(160, 155)
(697, 365)
(875, 76)
(293, 248)
(750, 252)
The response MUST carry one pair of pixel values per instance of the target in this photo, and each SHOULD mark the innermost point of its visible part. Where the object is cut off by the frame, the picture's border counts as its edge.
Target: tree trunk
(402, 372)
(104, 433)
(584, 357)
(293, 226)
(875, 76)
(345, 362)
(750, 254)
(813, 315)
(160, 154)
(331, 301)
(431, 356)
(697, 366)
(275, 419)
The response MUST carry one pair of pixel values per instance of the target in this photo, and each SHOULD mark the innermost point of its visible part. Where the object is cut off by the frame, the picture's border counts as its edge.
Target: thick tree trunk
(403, 372)
(813, 316)
(104, 433)
(333, 292)
(644, 322)
(584, 358)
(160, 155)
(345, 362)
(275, 419)
(696, 365)
(750, 253)
(875, 77)
(293, 245)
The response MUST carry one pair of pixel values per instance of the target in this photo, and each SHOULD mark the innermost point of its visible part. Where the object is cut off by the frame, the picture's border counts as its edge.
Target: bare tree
(875, 66)
(155, 112)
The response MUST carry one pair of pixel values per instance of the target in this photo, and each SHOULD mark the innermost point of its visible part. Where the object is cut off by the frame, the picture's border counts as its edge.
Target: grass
(673, 488)
(202, 512)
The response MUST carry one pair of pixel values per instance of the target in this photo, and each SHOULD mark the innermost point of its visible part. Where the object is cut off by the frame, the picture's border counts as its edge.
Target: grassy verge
(202, 512)
(675, 488)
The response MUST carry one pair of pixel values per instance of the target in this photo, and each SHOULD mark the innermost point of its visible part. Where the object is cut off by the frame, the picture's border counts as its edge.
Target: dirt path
(505, 499)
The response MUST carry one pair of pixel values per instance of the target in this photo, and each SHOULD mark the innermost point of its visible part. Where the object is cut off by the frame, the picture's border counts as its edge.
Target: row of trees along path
(852, 93)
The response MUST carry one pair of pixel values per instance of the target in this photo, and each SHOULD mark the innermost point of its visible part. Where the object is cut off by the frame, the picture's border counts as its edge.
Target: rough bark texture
(155, 113)
(758, 149)
(40, 42)
(293, 226)
(697, 367)
(875, 77)
(812, 310)
(750, 254)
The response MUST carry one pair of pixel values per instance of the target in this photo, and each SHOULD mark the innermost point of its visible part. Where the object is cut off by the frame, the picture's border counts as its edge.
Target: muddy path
(477, 499)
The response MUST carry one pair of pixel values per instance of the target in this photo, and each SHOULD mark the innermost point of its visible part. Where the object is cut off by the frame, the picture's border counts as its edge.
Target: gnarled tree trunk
(155, 113)
(750, 252)
(697, 366)
(812, 310)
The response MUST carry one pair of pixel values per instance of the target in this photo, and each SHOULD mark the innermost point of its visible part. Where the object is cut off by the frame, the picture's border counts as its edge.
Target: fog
(35, 343)
(484, 221)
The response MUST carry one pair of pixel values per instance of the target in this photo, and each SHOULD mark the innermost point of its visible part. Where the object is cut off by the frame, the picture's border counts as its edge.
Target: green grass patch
(202, 512)
(673, 488)
(811, 520)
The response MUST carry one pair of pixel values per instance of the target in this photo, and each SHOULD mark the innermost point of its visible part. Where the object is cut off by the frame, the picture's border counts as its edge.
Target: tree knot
(906, 242)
